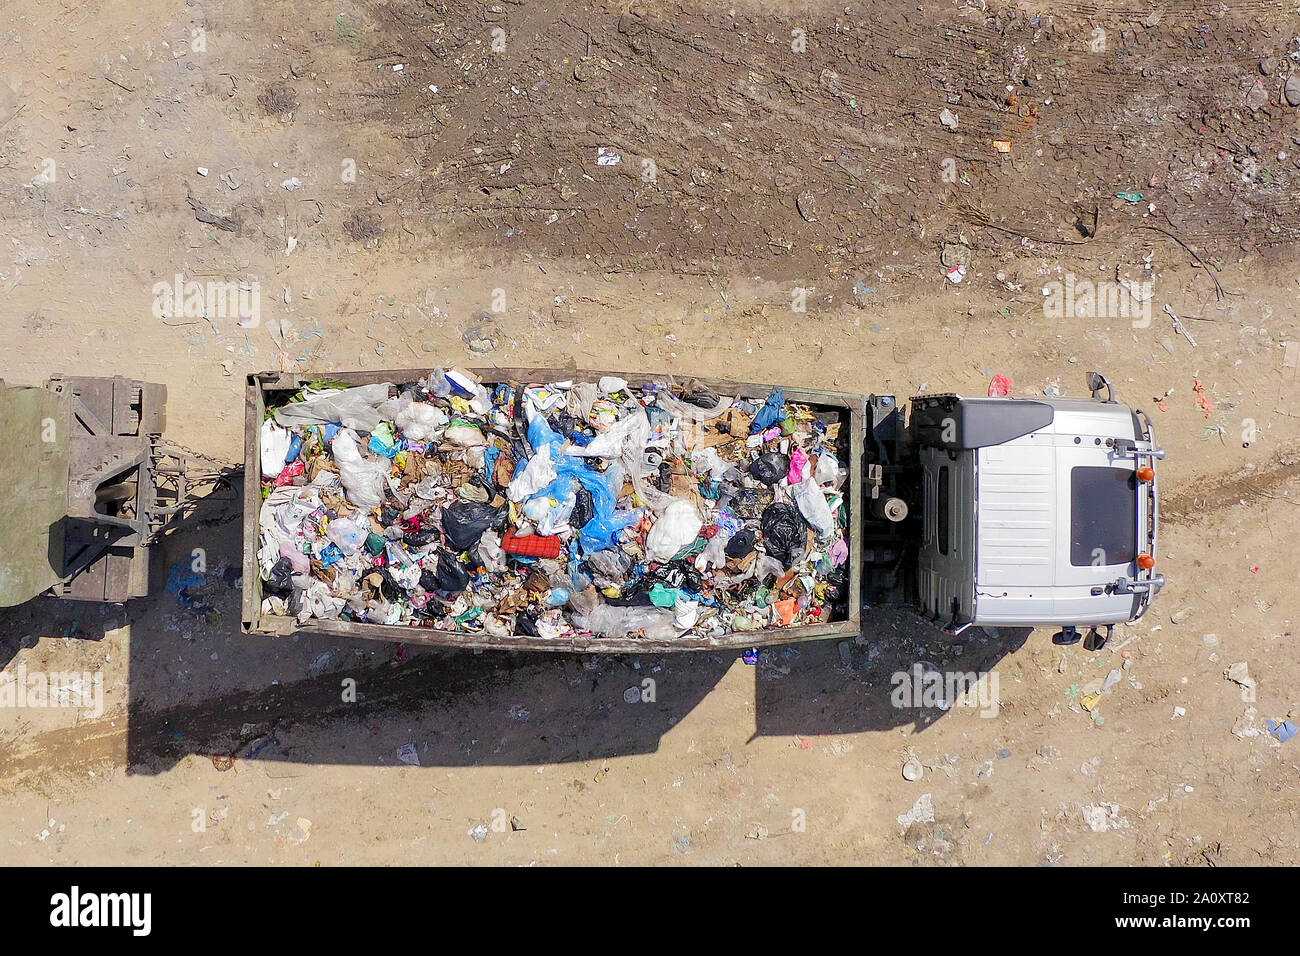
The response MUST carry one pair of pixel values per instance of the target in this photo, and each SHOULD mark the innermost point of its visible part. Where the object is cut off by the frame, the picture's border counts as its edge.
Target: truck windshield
(1103, 516)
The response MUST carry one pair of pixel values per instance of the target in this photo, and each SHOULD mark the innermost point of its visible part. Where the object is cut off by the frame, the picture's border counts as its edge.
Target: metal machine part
(90, 485)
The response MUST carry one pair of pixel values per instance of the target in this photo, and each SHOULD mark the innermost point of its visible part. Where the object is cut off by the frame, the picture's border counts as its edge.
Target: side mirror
(1097, 382)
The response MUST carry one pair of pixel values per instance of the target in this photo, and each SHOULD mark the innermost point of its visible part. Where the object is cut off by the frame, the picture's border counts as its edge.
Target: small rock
(948, 118)
(955, 254)
(1292, 90)
(1256, 94)
(806, 203)
(1180, 617)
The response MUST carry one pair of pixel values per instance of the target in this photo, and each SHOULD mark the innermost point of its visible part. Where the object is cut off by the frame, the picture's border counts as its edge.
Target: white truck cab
(1036, 512)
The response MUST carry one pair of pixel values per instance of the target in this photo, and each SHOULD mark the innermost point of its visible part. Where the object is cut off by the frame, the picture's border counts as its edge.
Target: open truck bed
(264, 389)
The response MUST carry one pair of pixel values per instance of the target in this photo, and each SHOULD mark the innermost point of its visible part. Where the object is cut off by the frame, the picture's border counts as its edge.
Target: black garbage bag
(584, 509)
(701, 397)
(425, 535)
(525, 624)
(663, 478)
(451, 576)
(280, 582)
(770, 468)
(676, 574)
(784, 533)
(742, 543)
(563, 423)
(464, 523)
(637, 595)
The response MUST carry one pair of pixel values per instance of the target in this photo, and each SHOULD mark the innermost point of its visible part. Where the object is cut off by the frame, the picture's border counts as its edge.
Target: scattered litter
(292, 184)
(1179, 327)
(912, 770)
(608, 156)
(1239, 673)
(1283, 731)
(1000, 386)
(948, 118)
(922, 812)
(1130, 196)
(1205, 403)
(1244, 726)
(1002, 145)
(407, 754)
(1103, 817)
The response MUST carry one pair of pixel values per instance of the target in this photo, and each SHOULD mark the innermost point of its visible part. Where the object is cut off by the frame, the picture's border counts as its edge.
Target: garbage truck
(993, 511)
(973, 511)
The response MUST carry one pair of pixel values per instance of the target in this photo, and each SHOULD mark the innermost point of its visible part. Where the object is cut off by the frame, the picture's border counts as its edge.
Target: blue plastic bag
(773, 411)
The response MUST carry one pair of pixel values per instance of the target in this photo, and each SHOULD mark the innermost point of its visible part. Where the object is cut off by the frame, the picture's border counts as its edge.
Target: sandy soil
(748, 170)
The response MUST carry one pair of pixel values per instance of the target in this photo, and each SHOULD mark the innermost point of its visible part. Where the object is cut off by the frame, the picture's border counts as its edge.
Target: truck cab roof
(1038, 513)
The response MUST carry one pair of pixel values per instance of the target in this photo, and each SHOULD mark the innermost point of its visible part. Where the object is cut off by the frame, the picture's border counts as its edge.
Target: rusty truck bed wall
(255, 622)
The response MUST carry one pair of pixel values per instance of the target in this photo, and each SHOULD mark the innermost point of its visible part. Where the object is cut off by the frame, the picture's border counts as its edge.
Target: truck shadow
(197, 685)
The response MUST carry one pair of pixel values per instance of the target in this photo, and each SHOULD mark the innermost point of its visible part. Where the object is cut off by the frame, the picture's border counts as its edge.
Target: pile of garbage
(553, 509)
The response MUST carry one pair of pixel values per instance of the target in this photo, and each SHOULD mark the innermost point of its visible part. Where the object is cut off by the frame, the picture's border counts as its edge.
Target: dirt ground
(387, 172)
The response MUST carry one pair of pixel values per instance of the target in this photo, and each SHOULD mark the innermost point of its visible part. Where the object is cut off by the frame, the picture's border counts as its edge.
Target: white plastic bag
(420, 421)
(351, 407)
(714, 554)
(828, 469)
(537, 474)
(491, 553)
(349, 535)
(678, 526)
(609, 621)
(363, 480)
(814, 507)
(274, 447)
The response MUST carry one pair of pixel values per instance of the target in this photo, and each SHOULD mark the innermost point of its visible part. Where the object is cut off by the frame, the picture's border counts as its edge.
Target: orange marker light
(1146, 473)
(1146, 562)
